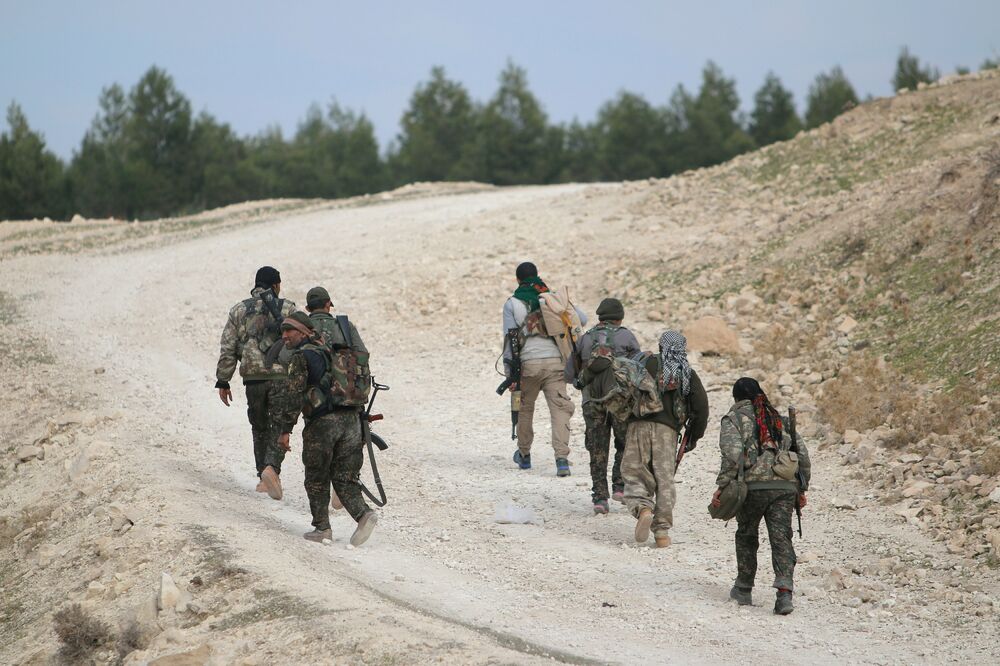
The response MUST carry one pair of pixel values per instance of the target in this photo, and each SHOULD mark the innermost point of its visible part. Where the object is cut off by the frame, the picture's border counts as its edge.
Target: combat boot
(261, 488)
(364, 528)
(642, 525)
(562, 467)
(272, 483)
(783, 604)
(618, 493)
(741, 595)
(601, 506)
(524, 462)
(335, 502)
(662, 541)
(319, 535)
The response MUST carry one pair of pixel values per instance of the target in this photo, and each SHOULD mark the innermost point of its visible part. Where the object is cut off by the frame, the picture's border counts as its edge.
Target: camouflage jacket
(249, 332)
(327, 325)
(738, 435)
(305, 371)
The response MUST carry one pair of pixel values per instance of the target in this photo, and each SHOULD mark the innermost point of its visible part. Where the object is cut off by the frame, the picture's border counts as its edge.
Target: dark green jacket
(697, 404)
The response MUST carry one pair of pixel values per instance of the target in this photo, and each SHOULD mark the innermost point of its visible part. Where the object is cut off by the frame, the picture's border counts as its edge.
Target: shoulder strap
(345, 329)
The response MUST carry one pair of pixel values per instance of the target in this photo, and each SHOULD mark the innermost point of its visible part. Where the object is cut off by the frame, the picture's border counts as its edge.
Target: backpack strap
(345, 330)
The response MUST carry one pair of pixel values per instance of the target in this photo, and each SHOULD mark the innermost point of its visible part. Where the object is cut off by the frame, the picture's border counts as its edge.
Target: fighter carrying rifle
(513, 380)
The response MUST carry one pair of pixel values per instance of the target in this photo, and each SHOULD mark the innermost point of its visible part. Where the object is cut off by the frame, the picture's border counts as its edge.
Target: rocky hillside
(859, 265)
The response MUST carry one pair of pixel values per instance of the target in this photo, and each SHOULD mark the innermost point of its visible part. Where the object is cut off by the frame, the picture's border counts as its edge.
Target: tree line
(147, 155)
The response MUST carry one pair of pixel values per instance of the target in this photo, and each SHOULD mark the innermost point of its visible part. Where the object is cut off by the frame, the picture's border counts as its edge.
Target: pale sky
(254, 64)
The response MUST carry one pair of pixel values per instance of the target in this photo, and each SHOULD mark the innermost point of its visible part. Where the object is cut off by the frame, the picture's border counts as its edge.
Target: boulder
(197, 657)
(26, 453)
(848, 325)
(837, 580)
(170, 594)
(995, 495)
(711, 335)
(120, 517)
(915, 488)
(853, 437)
(78, 467)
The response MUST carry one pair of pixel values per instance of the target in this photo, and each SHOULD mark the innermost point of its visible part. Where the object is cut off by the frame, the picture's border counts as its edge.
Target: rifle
(273, 307)
(370, 438)
(682, 444)
(798, 475)
(513, 380)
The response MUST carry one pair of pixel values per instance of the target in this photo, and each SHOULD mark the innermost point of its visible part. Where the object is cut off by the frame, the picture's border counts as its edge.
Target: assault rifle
(798, 475)
(682, 447)
(513, 380)
(273, 306)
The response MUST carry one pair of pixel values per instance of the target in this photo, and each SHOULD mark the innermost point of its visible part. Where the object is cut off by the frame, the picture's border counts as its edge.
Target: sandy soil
(129, 378)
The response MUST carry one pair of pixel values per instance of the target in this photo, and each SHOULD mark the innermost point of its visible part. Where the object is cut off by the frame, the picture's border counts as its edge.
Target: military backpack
(625, 390)
(347, 380)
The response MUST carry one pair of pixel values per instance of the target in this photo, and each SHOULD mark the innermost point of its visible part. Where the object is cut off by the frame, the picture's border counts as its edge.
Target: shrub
(79, 632)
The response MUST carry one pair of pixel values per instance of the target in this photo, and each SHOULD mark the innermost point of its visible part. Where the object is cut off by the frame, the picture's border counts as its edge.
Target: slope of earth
(128, 488)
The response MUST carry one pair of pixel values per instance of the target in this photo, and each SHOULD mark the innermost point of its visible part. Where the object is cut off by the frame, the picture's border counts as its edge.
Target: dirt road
(424, 280)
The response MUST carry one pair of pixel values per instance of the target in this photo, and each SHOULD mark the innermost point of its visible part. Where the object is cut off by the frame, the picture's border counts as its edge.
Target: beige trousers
(648, 471)
(544, 376)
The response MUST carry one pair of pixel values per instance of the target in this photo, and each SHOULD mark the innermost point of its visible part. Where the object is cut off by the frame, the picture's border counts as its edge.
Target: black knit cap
(267, 277)
(610, 309)
(525, 271)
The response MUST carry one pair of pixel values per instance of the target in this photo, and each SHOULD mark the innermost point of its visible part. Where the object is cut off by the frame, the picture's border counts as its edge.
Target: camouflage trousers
(332, 452)
(598, 443)
(544, 376)
(648, 469)
(775, 507)
(260, 406)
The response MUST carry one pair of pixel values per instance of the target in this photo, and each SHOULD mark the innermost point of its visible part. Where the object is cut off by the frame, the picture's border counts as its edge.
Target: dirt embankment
(853, 270)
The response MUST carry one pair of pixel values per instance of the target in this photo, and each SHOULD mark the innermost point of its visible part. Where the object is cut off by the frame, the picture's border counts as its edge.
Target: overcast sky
(254, 64)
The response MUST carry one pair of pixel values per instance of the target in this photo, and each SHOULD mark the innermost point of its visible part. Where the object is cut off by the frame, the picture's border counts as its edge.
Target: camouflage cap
(299, 320)
(317, 296)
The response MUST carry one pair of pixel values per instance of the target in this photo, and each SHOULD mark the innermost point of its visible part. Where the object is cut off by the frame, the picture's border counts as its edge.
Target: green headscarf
(528, 292)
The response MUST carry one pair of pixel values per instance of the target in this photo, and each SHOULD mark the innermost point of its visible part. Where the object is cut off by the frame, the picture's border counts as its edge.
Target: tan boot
(662, 541)
(319, 535)
(272, 483)
(335, 502)
(642, 525)
(261, 488)
(364, 529)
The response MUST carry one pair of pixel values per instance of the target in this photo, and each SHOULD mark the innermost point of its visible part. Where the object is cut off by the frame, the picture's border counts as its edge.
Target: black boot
(742, 595)
(783, 604)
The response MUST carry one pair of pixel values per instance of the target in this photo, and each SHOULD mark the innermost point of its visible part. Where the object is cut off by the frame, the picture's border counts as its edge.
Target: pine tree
(436, 126)
(909, 74)
(829, 96)
(32, 181)
(773, 117)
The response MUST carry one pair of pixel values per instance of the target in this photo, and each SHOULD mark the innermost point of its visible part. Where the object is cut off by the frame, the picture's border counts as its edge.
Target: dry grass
(865, 395)
(80, 633)
(129, 640)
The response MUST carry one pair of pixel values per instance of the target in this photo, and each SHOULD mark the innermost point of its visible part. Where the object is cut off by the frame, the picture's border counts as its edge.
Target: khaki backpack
(561, 321)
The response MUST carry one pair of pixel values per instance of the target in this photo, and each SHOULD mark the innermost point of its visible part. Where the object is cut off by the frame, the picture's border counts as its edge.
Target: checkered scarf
(674, 361)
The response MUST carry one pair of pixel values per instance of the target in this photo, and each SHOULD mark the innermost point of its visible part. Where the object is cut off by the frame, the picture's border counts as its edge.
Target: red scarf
(768, 422)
